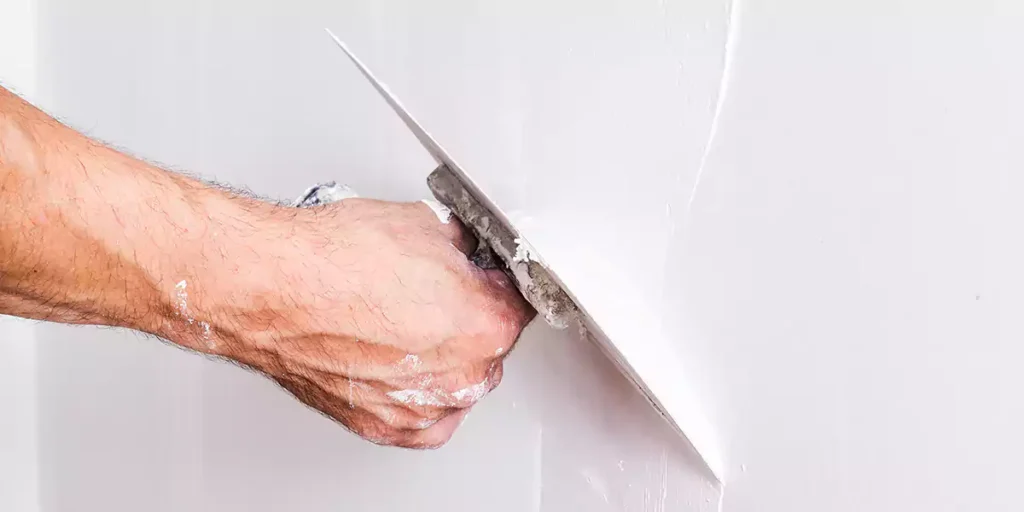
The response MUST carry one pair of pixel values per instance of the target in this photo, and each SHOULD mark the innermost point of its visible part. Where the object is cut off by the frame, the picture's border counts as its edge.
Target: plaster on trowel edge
(531, 276)
(675, 407)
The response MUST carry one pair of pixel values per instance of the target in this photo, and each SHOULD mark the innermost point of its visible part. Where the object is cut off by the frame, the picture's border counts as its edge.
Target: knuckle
(406, 441)
(420, 418)
(376, 436)
(393, 418)
(486, 323)
(496, 378)
(431, 439)
(471, 387)
(438, 440)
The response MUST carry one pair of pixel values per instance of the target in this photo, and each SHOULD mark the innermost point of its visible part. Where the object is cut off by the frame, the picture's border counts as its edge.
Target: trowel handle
(499, 243)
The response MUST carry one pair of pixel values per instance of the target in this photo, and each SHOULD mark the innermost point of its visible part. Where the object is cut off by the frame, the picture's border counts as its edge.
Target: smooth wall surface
(815, 201)
(19, 484)
(848, 284)
(19, 466)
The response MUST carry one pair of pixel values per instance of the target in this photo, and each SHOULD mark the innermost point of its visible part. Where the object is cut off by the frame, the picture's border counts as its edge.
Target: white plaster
(524, 252)
(411, 361)
(181, 298)
(425, 424)
(472, 394)
(444, 214)
(421, 397)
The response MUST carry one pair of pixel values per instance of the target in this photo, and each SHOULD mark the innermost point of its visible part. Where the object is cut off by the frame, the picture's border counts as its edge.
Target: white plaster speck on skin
(440, 398)
(473, 393)
(326, 194)
(210, 342)
(444, 214)
(182, 296)
(411, 361)
(417, 397)
(425, 424)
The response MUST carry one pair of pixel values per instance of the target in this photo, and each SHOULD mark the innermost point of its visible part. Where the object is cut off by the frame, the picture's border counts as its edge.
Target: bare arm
(366, 310)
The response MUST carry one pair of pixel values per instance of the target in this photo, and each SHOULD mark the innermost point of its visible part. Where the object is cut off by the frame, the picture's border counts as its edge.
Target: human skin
(368, 311)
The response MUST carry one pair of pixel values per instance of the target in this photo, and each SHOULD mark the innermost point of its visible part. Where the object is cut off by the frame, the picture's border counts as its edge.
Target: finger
(371, 427)
(508, 313)
(450, 226)
(354, 417)
(382, 417)
(393, 413)
(466, 388)
(499, 372)
(409, 418)
(437, 435)
(503, 288)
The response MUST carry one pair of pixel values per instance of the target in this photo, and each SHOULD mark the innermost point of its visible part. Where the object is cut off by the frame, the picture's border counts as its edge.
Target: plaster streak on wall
(731, 41)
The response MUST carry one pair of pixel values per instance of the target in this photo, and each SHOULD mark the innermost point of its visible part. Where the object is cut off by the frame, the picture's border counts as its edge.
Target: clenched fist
(366, 310)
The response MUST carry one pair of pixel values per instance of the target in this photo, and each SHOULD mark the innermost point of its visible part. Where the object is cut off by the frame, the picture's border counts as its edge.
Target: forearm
(367, 310)
(90, 235)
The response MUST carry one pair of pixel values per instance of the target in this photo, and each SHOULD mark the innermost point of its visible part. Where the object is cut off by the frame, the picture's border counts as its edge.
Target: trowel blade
(426, 140)
(538, 284)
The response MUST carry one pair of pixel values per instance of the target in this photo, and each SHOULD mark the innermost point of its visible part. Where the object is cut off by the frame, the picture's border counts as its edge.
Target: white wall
(18, 46)
(841, 286)
(849, 283)
(19, 482)
(19, 489)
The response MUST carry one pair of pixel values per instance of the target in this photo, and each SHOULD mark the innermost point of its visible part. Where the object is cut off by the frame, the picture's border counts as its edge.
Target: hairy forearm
(367, 310)
(90, 235)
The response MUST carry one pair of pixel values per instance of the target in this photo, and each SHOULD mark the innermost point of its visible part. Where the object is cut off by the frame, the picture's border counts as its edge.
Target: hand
(366, 310)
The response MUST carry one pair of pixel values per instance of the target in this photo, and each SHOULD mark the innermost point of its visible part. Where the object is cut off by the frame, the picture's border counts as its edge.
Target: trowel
(502, 246)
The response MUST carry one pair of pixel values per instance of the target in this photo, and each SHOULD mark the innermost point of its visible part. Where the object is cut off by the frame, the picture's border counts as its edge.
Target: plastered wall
(849, 284)
(813, 203)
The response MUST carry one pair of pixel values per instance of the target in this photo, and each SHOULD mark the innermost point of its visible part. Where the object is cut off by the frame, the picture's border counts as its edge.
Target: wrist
(226, 273)
(198, 260)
